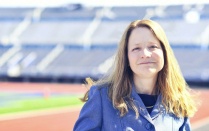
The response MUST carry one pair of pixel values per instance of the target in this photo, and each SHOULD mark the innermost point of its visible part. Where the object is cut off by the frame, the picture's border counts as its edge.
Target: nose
(145, 53)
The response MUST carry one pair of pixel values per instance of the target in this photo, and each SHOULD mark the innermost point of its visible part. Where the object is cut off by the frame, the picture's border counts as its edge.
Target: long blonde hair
(176, 95)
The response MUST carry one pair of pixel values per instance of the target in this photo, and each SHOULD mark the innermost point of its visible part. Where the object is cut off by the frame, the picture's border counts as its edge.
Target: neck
(145, 86)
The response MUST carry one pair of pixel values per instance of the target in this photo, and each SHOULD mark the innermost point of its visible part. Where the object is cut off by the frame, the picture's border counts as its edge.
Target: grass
(40, 103)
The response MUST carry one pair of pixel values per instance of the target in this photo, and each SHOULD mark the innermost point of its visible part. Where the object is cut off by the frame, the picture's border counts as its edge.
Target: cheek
(161, 58)
(158, 56)
(131, 58)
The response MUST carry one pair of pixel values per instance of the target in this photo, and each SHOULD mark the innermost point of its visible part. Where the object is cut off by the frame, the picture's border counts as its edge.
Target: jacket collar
(157, 109)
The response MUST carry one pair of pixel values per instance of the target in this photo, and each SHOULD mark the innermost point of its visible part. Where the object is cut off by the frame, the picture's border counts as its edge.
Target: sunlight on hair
(88, 83)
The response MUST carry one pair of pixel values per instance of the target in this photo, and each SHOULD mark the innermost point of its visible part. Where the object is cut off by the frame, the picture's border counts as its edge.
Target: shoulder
(98, 89)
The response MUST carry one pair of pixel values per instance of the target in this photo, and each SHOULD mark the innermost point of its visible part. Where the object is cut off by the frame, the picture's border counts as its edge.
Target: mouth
(144, 63)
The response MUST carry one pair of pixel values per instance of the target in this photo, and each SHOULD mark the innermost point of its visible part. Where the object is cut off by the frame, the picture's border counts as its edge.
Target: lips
(147, 62)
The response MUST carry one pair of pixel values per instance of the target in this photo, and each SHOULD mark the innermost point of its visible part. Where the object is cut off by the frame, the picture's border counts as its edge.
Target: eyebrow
(150, 42)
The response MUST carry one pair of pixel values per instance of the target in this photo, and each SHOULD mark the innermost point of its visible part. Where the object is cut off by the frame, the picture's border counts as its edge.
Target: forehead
(142, 35)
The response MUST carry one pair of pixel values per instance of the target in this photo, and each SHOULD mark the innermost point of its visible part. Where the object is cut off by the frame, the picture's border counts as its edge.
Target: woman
(145, 89)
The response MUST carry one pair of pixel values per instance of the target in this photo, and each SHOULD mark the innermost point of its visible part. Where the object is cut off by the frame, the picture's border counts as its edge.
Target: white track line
(26, 114)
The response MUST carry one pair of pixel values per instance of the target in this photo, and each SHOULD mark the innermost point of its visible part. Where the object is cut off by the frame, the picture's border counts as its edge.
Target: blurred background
(48, 48)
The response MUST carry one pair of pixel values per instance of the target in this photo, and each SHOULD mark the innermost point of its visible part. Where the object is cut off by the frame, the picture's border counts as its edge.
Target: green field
(13, 104)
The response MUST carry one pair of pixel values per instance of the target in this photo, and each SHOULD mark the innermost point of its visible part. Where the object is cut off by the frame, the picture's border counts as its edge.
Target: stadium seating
(72, 42)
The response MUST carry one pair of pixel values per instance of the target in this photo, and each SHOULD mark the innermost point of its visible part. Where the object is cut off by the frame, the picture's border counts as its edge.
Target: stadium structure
(69, 43)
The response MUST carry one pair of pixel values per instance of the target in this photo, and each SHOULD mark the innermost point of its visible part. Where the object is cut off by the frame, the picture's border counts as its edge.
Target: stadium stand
(14, 14)
(69, 13)
(54, 32)
(69, 43)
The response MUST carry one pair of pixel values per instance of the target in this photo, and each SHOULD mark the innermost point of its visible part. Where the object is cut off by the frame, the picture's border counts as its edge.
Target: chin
(150, 72)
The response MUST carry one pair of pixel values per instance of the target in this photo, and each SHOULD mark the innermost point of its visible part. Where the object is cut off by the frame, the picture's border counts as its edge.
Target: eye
(153, 46)
(135, 49)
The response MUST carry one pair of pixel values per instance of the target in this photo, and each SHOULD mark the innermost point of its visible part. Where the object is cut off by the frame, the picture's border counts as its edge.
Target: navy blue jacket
(98, 114)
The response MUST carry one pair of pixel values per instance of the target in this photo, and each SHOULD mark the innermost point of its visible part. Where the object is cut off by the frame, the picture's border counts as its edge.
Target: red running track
(64, 119)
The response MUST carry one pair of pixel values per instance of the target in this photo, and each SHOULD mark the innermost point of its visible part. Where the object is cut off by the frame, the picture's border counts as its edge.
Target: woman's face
(145, 53)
